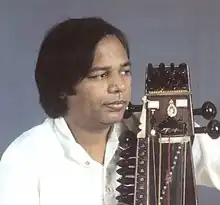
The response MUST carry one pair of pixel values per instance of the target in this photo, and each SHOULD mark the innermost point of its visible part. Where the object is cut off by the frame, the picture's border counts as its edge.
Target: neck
(92, 140)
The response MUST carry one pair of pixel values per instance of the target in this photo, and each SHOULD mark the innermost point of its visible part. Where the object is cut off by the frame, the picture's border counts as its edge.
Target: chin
(114, 118)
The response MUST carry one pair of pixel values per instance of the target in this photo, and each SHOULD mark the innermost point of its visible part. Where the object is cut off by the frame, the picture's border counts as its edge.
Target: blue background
(158, 31)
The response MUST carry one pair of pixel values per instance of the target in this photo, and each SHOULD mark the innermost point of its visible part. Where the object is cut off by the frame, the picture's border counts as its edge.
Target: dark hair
(65, 58)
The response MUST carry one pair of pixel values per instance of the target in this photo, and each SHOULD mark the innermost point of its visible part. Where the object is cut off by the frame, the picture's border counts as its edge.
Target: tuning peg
(207, 111)
(130, 109)
(212, 129)
(127, 139)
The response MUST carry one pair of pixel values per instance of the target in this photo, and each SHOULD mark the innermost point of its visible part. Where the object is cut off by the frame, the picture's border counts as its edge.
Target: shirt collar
(72, 148)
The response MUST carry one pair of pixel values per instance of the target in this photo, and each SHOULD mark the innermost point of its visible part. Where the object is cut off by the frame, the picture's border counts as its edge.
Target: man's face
(102, 97)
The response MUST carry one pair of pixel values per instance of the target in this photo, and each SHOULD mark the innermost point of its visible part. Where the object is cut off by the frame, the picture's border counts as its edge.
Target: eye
(126, 72)
(98, 76)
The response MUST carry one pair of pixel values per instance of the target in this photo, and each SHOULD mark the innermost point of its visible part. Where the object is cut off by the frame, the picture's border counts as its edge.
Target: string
(184, 183)
(184, 167)
(154, 170)
(159, 177)
(169, 171)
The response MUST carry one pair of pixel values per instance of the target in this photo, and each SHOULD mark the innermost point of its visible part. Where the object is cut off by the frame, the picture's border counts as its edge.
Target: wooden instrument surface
(157, 164)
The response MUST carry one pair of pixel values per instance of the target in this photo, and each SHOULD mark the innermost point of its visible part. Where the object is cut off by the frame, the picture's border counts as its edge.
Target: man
(83, 76)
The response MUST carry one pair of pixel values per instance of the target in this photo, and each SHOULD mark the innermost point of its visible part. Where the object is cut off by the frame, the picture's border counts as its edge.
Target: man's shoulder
(34, 134)
(31, 142)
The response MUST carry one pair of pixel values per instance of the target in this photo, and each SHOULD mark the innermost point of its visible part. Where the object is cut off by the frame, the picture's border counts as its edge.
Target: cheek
(95, 95)
(128, 84)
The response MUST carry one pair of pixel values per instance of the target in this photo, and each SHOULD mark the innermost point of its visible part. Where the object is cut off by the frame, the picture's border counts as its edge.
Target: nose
(116, 85)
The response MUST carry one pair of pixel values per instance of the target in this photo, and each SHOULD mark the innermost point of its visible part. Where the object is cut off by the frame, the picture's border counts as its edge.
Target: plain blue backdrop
(158, 31)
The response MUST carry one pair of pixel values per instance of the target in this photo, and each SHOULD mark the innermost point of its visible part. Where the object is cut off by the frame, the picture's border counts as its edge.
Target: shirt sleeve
(18, 180)
(206, 156)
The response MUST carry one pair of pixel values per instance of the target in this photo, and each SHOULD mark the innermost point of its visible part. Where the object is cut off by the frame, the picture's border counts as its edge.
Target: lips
(116, 105)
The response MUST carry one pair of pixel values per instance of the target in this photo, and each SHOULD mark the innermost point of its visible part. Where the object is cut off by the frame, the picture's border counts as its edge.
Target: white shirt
(46, 166)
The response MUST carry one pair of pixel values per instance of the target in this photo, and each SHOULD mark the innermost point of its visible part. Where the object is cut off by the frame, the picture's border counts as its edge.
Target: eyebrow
(104, 68)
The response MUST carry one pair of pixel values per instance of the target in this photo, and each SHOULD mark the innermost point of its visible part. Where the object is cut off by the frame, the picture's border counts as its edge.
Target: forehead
(109, 51)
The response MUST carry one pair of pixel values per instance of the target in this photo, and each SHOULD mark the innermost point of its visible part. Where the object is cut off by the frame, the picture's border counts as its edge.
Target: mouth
(116, 105)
